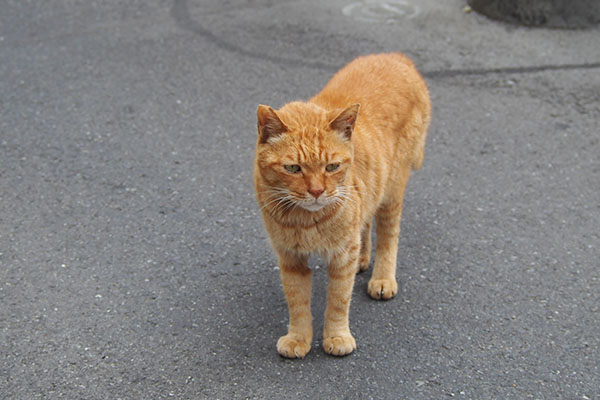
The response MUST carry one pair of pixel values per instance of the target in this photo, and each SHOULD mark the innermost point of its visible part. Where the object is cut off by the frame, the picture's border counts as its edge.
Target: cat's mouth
(319, 203)
(314, 206)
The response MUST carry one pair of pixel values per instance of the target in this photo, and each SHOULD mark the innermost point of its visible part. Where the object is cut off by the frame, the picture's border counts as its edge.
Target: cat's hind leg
(296, 279)
(365, 247)
(383, 285)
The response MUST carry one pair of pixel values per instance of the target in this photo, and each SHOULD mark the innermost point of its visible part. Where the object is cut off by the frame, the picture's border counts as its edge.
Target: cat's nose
(316, 192)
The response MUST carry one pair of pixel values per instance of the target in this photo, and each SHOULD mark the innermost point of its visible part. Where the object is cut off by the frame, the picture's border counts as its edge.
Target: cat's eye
(292, 169)
(332, 167)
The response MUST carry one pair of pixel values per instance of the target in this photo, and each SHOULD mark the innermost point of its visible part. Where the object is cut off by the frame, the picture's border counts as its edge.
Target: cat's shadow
(265, 316)
(265, 313)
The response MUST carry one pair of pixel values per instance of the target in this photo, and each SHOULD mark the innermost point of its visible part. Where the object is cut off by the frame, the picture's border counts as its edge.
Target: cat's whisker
(342, 201)
(278, 199)
(343, 196)
(279, 196)
(290, 206)
(284, 204)
(337, 201)
(345, 192)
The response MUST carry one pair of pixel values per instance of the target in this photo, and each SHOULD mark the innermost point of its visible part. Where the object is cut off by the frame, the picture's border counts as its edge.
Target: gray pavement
(133, 262)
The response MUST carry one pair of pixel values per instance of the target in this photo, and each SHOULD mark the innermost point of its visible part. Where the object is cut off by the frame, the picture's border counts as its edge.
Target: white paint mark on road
(386, 11)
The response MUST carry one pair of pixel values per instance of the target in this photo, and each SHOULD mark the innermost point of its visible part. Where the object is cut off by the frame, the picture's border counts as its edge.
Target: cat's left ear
(344, 122)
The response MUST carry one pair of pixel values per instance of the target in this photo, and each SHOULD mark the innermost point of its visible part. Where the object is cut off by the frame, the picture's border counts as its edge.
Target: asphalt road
(133, 262)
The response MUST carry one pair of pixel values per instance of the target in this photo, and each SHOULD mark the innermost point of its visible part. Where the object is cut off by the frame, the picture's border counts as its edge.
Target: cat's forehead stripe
(311, 150)
(302, 152)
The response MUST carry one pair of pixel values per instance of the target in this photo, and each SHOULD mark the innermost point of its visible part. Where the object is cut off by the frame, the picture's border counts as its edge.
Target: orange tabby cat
(323, 171)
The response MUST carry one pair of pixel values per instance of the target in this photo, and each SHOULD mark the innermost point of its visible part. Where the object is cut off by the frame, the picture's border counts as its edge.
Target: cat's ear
(269, 124)
(344, 122)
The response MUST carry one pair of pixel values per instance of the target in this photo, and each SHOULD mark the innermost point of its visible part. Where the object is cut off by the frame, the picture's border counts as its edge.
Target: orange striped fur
(323, 170)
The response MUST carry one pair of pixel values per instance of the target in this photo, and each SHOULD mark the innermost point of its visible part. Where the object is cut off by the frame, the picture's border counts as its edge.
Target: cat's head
(304, 154)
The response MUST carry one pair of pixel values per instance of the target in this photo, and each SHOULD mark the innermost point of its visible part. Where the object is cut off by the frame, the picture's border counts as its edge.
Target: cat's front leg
(337, 339)
(296, 279)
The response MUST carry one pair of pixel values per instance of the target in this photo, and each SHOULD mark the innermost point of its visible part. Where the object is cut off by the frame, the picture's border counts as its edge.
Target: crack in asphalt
(181, 14)
(450, 73)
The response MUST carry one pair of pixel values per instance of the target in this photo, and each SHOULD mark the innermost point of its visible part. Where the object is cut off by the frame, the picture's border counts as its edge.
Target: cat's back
(375, 81)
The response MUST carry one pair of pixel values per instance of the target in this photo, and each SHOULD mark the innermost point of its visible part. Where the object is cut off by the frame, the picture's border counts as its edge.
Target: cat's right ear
(345, 121)
(269, 124)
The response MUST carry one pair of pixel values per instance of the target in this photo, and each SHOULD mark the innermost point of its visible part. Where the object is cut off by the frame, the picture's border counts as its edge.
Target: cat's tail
(420, 127)
(421, 119)
(418, 157)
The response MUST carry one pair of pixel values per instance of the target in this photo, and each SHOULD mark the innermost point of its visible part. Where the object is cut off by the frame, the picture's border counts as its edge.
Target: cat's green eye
(292, 169)
(332, 167)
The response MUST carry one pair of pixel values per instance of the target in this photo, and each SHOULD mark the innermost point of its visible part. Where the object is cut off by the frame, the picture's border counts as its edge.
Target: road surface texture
(133, 261)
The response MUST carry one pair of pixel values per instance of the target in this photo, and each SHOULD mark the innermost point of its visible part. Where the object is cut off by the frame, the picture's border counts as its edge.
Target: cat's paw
(293, 346)
(363, 264)
(339, 345)
(382, 289)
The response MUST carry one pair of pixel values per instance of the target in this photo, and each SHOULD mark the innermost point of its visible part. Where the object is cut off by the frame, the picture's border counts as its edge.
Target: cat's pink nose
(316, 192)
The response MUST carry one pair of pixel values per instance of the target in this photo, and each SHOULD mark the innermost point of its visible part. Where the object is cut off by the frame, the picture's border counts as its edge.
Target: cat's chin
(313, 207)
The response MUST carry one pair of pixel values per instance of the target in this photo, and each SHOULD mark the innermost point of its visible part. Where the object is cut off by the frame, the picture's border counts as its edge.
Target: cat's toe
(362, 267)
(292, 346)
(382, 289)
(363, 264)
(339, 345)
